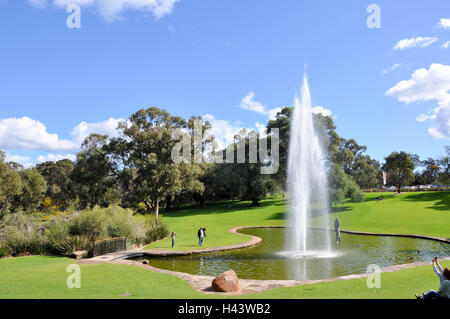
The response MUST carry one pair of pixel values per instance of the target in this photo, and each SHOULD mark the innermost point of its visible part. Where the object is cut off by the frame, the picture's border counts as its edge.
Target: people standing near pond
(444, 279)
(337, 224)
(173, 238)
(201, 235)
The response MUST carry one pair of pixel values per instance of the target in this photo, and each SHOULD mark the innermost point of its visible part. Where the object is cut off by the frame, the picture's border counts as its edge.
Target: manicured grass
(425, 213)
(402, 284)
(218, 219)
(412, 213)
(39, 277)
(45, 277)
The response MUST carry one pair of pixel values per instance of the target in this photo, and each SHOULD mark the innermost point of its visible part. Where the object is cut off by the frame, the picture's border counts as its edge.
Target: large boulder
(226, 282)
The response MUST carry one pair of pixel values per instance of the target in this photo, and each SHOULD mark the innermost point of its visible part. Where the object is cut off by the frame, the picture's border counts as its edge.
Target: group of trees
(136, 169)
(19, 188)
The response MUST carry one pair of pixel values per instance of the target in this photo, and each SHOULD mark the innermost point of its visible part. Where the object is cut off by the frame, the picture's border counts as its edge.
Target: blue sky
(233, 61)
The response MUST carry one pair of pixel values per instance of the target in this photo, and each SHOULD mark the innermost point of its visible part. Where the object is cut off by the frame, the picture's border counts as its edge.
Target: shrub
(19, 235)
(65, 233)
(61, 242)
(91, 223)
(4, 251)
(155, 229)
(124, 224)
(354, 192)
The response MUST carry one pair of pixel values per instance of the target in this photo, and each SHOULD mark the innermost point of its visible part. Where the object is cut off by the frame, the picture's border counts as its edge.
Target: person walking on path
(444, 279)
(201, 235)
(173, 238)
(337, 224)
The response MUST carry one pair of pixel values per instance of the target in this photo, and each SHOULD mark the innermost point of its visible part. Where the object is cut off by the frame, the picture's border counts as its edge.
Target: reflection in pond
(264, 261)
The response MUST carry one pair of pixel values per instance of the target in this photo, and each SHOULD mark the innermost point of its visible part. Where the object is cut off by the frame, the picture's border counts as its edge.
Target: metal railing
(111, 245)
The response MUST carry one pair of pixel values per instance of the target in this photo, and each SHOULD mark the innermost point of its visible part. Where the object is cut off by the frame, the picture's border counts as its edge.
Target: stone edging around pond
(444, 240)
(203, 283)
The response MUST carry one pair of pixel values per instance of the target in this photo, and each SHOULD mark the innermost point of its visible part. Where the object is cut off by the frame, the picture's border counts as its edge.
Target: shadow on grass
(441, 199)
(277, 216)
(340, 209)
(222, 208)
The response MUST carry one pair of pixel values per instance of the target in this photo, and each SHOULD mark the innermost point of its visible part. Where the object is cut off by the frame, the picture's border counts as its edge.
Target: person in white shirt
(444, 279)
(201, 235)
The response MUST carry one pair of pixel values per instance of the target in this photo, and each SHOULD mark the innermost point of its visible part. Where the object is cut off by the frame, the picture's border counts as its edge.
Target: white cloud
(28, 134)
(424, 85)
(321, 110)
(23, 160)
(390, 68)
(84, 129)
(249, 103)
(55, 157)
(419, 42)
(427, 85)
(38, 3)
(222, 130)
(445, 45)
(444, 23)
(113, 9)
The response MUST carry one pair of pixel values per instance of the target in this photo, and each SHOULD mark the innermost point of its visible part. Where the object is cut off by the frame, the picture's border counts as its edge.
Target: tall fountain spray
(307, 185)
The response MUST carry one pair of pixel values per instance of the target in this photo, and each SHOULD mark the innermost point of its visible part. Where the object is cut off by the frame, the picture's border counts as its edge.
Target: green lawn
(39, 277)
(426, 213)
(410, 213)
(413, 213)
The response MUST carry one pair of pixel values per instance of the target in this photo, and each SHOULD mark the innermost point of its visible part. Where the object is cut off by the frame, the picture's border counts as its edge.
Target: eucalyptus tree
(143, 163)
(399, 169)
(59, 185)
(10, 185)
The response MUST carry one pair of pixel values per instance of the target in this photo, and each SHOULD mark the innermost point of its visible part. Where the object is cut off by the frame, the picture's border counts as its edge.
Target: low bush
(74, 231)
(19, 234)
(4, 252)
(61, 242)
(155, 230)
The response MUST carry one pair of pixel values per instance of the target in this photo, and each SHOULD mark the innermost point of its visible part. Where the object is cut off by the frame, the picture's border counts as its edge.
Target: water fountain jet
(307, 185)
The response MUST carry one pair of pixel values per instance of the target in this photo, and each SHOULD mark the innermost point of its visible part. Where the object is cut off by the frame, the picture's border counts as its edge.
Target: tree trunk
(255, 202)
(149, 206)
(157, 210)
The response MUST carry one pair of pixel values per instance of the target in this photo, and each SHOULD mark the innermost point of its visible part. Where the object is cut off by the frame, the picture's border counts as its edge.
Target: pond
(265, 261)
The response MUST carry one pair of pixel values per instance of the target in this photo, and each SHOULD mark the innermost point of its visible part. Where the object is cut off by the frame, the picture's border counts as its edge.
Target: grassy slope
(217, 219)
(410, 213)
(420, 213)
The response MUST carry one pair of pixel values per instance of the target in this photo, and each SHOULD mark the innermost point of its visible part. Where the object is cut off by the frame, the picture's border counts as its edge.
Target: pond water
(266, 262)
